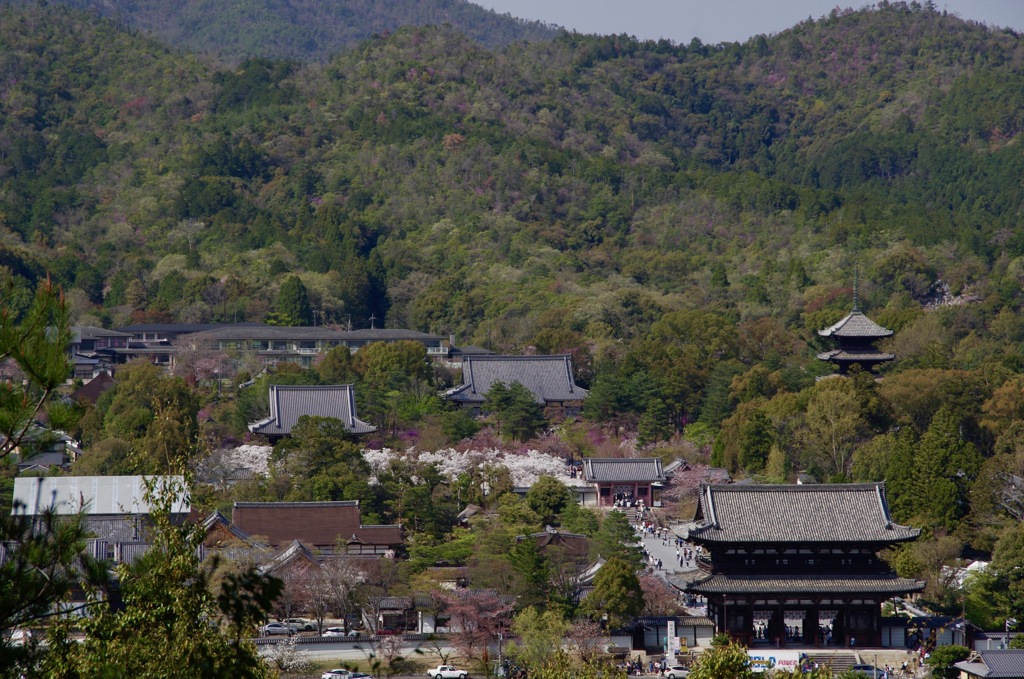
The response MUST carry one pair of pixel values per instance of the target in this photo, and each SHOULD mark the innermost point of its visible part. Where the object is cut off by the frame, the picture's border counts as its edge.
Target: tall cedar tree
(616, 596)
(292, 307)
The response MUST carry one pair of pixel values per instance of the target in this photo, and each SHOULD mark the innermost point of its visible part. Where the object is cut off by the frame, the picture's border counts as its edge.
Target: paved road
(660, 548)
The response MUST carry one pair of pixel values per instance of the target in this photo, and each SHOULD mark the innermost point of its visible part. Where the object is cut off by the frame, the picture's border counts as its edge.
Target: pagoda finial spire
(856, 285)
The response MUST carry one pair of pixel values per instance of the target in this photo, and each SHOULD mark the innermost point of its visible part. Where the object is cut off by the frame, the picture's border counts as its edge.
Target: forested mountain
(306, 30)
(683, 219)
(474, 190)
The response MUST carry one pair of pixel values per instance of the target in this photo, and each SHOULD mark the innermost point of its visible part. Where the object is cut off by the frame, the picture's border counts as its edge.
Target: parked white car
(278, 628)
(340, 632)
(446, 672)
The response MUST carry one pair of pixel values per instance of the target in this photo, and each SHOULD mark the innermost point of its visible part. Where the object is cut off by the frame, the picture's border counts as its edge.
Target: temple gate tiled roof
(290, 402)
(836, 513)
(611, 470)
(855, 324)
(549, 378)
(805, 584)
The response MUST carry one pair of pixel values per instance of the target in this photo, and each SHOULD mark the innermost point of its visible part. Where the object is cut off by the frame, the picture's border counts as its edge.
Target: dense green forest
(680, 218)
(304, 29)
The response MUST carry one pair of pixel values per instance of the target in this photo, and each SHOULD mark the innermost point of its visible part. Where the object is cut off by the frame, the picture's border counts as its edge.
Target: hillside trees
(616, 593)
(146, 424)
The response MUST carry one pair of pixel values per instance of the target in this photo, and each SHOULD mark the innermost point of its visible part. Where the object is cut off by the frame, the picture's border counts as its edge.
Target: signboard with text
(778, 661)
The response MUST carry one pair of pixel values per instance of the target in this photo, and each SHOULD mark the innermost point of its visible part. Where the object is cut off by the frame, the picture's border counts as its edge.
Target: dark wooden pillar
(812, 636)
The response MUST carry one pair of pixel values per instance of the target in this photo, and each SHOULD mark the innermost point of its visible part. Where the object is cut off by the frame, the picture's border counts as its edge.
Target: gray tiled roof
(806, 584)
(269, 332)
(92, 332)
(118, 528)
(549, 378)
(856, 512)
(290, 402)
(601, 470)
(861, 354)
(1001, 664)
(855, 324)
(181, 328)
(387, 335)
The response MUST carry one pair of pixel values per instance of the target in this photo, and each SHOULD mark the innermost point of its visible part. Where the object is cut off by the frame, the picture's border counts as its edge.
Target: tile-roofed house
(290, 402)
(855, 336)
(574, 545)
(91, 391)
(322, 526)
(295, 557)
(829, 513)
(548, 378)
(42, 448)
(798, 552)
(94, 350)
(625, 481)
(1001, 664)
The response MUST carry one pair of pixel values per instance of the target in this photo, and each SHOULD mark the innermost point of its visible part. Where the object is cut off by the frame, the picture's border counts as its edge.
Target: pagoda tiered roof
(855, 325)
(859, 355)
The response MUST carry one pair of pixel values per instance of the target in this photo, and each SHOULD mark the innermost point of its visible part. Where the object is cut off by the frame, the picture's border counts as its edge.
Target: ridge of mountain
(306, 30)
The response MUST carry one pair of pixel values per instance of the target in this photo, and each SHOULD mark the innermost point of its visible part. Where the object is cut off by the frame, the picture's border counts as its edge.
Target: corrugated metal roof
(797, 513)
(855, 324)
(549, 378)
(610, 470)
(833, 584)
(290, 402)
(98, 494)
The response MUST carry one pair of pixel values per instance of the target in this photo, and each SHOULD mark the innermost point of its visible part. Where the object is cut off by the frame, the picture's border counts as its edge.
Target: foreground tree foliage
(167, 620)
(45, 555)
(36, 343)
(724, 660)
(157, 616)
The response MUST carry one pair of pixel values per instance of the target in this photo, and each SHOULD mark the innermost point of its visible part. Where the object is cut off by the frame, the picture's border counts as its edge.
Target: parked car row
(295, 625)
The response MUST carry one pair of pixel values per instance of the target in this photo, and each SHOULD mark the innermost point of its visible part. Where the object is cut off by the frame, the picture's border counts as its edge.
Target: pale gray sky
(715, 21)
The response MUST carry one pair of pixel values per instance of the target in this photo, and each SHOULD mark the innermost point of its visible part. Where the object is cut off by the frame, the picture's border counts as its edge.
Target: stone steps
(839, 661)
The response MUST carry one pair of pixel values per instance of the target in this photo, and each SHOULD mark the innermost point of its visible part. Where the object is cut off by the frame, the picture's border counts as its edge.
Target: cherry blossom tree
(477, 616)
